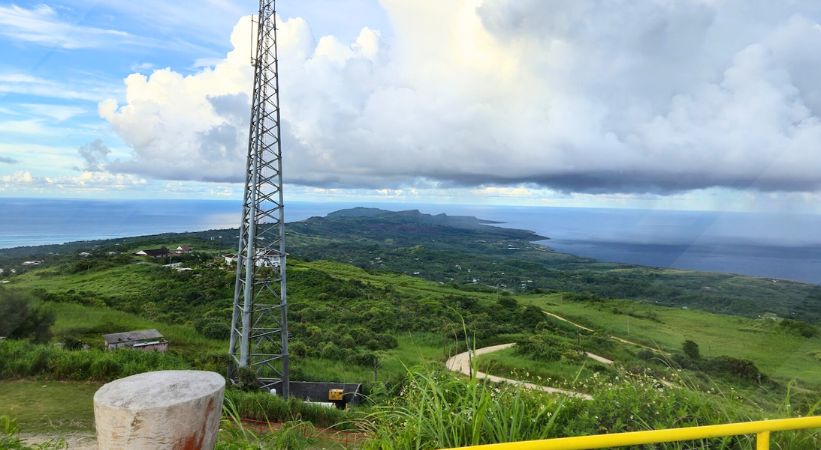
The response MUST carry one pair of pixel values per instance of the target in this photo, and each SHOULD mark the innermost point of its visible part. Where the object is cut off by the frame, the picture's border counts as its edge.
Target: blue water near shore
(786, 246)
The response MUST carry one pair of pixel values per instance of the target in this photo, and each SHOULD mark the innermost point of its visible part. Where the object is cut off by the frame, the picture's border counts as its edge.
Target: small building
(182, 250)
(84, 254)
(144, 340)
(269, 259)
(32, 263)
(178, 267)
(154, 252)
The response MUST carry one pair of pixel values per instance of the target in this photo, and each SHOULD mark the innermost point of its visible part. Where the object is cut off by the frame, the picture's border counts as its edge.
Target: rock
(171, 409)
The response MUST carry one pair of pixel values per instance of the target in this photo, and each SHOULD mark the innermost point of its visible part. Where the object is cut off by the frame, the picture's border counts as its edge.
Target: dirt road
(461, 363)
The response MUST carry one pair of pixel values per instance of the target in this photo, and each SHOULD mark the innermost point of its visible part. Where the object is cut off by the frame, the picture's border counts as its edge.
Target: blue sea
(784, 246)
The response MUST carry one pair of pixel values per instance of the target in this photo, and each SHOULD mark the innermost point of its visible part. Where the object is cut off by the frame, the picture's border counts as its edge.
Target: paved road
(461, 363)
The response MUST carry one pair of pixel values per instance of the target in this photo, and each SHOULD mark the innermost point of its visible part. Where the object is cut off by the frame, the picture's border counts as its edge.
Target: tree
(690, 349)
(18, 320)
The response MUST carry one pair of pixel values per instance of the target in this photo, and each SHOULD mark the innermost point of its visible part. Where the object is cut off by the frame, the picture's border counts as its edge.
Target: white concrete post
(166, 410)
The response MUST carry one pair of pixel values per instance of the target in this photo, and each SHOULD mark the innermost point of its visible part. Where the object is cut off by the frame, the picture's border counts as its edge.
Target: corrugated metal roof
(129, 336)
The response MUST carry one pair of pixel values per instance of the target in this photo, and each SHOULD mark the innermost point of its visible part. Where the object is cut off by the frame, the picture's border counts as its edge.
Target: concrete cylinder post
(171, 409)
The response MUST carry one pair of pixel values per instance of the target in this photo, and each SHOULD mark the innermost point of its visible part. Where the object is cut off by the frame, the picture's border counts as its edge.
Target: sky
(692, 104)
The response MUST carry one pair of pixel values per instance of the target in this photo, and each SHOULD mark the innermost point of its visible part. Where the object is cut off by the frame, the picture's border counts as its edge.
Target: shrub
(690, 349)
(798, 327)
(105, 369)
(542, 346)
(740, 368)
(19, 320)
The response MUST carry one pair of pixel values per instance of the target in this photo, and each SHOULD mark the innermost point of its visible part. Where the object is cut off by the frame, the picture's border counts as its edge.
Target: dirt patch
(74, 441)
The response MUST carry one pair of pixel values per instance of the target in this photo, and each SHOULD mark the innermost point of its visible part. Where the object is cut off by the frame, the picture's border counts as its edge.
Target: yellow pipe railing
(761, 429)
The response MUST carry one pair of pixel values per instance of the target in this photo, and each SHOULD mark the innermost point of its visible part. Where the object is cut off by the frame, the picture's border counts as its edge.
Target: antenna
(259, 323)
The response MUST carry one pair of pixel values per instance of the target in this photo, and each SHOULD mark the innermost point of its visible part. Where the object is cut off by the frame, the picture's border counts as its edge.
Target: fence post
(165, 410)
(762, 441)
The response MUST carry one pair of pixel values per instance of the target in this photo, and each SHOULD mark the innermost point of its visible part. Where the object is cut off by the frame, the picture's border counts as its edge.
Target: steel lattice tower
(259, 323)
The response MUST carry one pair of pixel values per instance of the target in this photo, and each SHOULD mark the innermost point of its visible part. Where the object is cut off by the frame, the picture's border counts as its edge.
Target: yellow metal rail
(761, 429)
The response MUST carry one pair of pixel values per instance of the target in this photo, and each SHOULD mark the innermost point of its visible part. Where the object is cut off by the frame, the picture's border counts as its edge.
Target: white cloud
(59, 113)
(25, 181)
(75, 89)
(24, 127)
(42, 25)
(579, 96)
(97, 181)
(18, 178)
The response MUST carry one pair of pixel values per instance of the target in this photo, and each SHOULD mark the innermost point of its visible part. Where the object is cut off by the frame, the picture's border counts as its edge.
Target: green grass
(507, 363)
(49, 406)
(414, 349)
(90, 323)
(120, 281)
(778, 354)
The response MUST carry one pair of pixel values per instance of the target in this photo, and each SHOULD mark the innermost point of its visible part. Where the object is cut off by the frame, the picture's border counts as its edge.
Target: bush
(798, 327)
(19, 320)
(105, 369)
(690, 349)
(739, 368)
(542, 346)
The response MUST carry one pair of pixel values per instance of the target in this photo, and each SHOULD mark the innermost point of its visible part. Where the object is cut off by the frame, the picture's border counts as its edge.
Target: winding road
(461, 363)
(614, 338)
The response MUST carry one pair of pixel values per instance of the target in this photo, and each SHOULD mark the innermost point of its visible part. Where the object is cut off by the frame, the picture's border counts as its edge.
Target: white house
(270, 259)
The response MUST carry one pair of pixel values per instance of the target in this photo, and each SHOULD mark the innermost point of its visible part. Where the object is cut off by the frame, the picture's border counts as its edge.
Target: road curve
(614, 338)
(461, 363)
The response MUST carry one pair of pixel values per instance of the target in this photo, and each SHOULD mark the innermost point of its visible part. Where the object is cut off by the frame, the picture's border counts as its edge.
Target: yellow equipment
(335, 395)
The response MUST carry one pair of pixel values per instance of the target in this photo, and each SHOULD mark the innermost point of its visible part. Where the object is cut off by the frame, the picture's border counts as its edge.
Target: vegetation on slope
(369, 323)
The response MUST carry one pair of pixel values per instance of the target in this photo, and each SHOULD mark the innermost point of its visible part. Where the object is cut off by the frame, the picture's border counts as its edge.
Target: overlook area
(410, 225)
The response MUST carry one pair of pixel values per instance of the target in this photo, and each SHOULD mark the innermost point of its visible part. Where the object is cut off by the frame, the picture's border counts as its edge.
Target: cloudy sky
(700, 104)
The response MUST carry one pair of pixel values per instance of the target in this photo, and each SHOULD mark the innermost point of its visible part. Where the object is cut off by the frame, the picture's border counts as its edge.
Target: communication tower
(259, 323)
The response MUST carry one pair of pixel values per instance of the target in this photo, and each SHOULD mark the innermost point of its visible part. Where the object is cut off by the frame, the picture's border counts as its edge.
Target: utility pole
(259, 323)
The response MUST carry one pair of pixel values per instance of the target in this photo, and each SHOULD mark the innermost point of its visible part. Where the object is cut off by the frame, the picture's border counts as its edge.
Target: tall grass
(235, 435)
(265, 407)
(438, 410)
(20, 359)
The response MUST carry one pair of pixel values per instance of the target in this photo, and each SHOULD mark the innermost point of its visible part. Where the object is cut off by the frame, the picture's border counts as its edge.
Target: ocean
(784, 246)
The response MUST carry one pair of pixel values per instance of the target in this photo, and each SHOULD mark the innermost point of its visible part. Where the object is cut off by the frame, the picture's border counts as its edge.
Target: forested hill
(475, 254)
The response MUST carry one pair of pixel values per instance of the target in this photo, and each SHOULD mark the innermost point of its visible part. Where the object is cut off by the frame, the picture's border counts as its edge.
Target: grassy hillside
(356, 317)
(780, 353)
